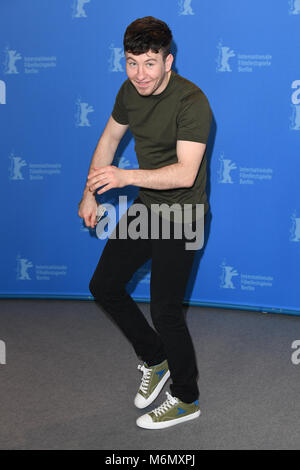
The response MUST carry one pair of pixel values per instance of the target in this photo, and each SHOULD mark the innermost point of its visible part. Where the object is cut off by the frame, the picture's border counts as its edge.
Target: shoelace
(170, 401)
(145, 379)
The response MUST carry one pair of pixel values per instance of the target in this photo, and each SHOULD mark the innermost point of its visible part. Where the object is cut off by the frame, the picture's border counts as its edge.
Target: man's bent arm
(177, 175)
(167, 177)
(106, 147)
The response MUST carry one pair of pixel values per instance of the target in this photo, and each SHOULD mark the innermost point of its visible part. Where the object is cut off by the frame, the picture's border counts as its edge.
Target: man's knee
(99, 292)
(167, 315)
(94, 288)
(105, 291)
(98, 285)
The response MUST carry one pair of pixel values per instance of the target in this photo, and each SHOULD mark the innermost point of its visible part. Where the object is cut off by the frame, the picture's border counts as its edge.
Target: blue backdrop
(61, 66)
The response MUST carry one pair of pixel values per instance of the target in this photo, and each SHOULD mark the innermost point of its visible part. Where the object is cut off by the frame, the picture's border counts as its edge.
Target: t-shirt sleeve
(194, 118)
(119, 112)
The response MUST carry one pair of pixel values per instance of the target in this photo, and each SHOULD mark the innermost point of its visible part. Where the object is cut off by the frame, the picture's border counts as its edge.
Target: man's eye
(150, 65)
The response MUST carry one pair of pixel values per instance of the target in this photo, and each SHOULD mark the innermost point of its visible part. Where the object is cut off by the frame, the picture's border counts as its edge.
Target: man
(170, 119)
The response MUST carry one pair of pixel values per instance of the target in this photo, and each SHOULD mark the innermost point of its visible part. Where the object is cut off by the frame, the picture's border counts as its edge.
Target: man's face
(148, 72)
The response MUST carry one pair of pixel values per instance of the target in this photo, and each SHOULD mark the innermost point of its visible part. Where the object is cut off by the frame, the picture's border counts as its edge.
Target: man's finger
(90, 221)
(105, 188)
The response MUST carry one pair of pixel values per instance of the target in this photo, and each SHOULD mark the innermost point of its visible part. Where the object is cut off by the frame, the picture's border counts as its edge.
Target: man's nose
(140, 75)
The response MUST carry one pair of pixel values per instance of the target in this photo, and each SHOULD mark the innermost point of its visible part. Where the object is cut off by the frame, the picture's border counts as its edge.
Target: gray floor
(70, 378)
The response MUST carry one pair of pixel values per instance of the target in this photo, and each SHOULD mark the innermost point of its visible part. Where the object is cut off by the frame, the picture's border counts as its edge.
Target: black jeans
(171, 266)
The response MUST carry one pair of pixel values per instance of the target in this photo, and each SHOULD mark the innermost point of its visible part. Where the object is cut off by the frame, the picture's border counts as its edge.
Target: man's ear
(169, 62)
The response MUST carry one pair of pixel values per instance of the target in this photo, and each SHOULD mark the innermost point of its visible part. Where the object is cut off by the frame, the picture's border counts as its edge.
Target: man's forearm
(168, 177)
(103, 155)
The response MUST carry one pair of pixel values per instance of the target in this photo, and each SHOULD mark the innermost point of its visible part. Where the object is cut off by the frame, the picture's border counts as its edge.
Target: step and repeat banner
(62, 64)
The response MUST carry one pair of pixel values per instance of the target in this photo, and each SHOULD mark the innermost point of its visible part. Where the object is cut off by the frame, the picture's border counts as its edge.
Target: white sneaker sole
(140, 402)
(146, 422)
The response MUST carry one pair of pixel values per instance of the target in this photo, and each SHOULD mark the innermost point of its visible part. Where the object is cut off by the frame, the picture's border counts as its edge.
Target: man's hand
(88, 209)
(110, 176)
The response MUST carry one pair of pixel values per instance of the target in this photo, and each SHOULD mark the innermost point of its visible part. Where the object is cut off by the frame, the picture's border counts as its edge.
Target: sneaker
(172, 411)
(153, 380)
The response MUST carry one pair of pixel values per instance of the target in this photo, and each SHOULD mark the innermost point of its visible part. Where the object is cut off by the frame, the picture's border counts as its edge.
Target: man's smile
(142, 84)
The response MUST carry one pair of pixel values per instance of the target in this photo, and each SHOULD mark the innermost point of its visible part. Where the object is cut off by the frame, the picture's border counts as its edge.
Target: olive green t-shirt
(180, 112)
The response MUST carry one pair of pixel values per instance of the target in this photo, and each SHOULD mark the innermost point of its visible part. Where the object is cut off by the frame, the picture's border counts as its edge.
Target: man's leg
(120, 259)
(171, 267)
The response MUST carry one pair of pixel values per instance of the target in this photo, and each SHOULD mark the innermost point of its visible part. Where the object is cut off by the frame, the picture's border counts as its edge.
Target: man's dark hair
(146, 34)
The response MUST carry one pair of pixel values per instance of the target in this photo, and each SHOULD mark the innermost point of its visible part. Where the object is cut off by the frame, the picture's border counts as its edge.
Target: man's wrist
(88, 193)
(131, 177)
